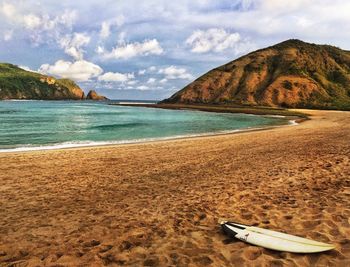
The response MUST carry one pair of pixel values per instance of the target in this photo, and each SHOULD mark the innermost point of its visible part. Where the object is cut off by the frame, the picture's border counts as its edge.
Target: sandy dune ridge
(158, 204)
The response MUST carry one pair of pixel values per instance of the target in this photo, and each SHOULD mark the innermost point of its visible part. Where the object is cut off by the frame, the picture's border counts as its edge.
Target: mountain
(93, 95)
(17, 83)
(290, 74)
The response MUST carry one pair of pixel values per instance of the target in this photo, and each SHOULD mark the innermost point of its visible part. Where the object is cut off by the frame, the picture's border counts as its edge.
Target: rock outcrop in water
(93, 95)
(290, 74)
(17, 83)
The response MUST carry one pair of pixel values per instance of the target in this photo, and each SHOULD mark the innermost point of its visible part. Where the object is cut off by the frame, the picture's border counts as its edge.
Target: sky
(150, 49)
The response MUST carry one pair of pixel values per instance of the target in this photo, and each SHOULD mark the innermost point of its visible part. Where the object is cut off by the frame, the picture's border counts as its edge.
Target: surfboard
(272, 239)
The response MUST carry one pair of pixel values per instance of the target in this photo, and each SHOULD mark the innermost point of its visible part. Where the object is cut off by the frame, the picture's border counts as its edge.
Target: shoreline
(96, 144)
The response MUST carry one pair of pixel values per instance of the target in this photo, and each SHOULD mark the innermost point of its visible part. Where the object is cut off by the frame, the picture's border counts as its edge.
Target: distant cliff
(93, 95)
(17, 83)
(290, 74)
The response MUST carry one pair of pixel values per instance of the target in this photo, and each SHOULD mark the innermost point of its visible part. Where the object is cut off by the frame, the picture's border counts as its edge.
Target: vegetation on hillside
(16, 83)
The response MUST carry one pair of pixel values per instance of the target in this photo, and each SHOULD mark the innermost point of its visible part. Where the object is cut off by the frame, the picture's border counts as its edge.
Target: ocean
(37, 125)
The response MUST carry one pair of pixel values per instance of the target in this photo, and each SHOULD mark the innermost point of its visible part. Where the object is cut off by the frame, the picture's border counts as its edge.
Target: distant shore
(223, 109)
(159, 203)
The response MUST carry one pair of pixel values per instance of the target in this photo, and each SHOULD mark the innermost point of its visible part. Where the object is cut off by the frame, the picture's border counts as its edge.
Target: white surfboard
(272, 239)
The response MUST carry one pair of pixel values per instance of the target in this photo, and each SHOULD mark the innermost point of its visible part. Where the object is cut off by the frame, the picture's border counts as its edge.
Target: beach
(159, 203)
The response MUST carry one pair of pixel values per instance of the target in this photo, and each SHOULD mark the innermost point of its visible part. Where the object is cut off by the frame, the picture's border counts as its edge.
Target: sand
(158, 204)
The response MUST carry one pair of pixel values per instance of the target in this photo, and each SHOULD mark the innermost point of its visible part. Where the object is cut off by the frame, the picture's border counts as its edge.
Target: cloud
(100, 49)
(38, 28)
(42, 22)
(213, 39)
(31, 21)
(173, 72)
(116, 77)
(8, 35)
(164, 80)
(8, 10)
(105, 30)
(73, 44)
(132, 82)
(282, 6)
(151, 69)
(121, 38)
(27, 68)
(142, 72)
(142, 87)
(106, 26)
(151, 80)
(49, 29)
(125, 51)
(79, 71)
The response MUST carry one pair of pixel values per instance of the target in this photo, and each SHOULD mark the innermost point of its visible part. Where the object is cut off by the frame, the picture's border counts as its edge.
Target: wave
(77, 144)
(274, 116)
(9, 111)
(292, 122)
(109, 113)
(118, 126)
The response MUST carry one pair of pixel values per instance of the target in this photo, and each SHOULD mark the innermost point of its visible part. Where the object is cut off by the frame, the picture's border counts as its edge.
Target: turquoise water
(30, 125)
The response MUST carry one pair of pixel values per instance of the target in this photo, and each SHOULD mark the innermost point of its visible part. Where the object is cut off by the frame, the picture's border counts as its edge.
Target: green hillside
(16, 83)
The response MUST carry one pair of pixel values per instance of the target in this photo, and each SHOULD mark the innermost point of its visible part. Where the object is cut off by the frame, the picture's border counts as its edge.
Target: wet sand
(158, 204)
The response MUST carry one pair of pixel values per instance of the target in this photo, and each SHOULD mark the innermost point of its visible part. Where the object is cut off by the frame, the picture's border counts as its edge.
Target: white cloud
(152, 68)
(106, 26)
(67, 18)
(31, 21)
(121, 38)
(105, 30)
(282, 6)
(142, 87)
(304, 22)
(100, 49)
(39, 28)
(8, 10)
(80, 70)
(142, 72)
(27, 68)
(116, 77)
(173, 72)
(151, 80)
(8, 35)
(213, 39)
(125, 51)
(73, 44)
(132, 82)
(36, 22)
(162, 81)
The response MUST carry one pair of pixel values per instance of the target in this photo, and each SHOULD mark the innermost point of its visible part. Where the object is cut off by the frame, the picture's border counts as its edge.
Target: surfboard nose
(227, 230)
